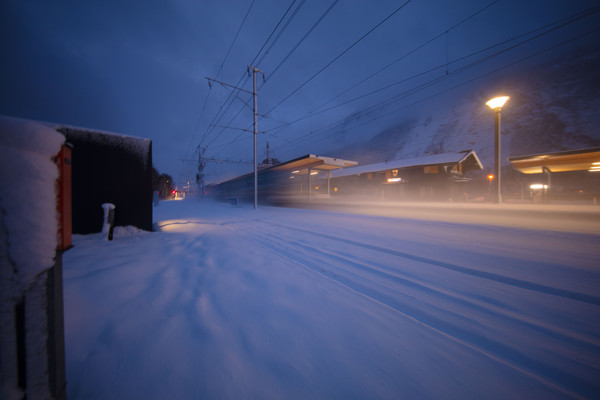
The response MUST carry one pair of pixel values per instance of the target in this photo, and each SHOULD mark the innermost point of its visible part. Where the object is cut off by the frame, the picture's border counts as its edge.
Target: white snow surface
(28, 193)
(280, 303)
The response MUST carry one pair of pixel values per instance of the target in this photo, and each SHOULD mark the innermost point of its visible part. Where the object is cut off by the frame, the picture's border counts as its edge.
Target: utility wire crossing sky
(341, 67)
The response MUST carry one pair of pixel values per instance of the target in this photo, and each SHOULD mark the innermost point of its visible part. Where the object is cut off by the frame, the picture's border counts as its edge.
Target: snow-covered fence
(31, 312)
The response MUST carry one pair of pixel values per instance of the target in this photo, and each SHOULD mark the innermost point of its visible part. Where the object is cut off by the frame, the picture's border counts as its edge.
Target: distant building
(438, 177)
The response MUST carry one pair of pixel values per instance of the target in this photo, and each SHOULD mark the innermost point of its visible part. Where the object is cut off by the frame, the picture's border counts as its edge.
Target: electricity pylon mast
(200, 174)
(255, 131)
(203, 160)
(254, 71)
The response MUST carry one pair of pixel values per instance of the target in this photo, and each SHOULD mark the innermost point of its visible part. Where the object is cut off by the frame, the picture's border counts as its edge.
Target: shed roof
(468, 158)
(562, 161)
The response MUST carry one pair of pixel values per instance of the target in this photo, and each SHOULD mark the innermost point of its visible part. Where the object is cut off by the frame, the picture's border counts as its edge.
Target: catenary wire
(338, 56)
(410, 91)
(229, 99)
(549, 28)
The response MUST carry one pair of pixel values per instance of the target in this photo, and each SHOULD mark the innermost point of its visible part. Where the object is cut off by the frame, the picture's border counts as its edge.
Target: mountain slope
(554, 106)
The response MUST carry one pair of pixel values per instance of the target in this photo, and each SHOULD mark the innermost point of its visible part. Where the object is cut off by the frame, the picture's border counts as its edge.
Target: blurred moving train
(301, 177)
(438, 177)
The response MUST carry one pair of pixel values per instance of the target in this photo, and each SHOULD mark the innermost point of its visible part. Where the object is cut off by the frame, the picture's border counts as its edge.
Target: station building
(437, 177)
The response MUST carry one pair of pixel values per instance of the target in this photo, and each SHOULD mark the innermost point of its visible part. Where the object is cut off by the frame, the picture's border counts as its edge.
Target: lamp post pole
(497, 195)
(496, 105)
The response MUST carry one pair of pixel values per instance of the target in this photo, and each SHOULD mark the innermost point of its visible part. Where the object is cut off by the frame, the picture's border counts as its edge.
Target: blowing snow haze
(394, 79)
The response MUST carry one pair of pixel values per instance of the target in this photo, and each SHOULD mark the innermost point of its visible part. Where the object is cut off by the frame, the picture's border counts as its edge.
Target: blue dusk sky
(139, 68)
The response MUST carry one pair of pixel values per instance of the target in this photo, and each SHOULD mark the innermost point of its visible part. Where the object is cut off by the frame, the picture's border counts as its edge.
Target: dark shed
(110, 168)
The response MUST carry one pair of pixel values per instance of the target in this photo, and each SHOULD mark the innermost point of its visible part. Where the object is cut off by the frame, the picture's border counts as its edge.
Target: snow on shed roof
(467, 157)
(27, 195)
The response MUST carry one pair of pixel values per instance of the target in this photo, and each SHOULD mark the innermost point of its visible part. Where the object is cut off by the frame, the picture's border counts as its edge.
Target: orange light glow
(490, 177)
(497, 102)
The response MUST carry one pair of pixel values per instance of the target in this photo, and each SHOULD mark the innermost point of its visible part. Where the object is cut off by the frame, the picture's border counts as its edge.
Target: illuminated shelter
(430, 177)
(290, 178)
(572, 172)
(311, 165)
(562, 161)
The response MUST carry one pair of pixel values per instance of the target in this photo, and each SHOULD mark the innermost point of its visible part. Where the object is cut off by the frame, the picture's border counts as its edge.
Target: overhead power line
(289, 53)
(229, 101)
(546, 29)
(281, 31)
(436, 80)
(235, 38)
(338, 56)
(402, 57)
(219, 72)
(272, 32)
(314, 26)
(303, 38)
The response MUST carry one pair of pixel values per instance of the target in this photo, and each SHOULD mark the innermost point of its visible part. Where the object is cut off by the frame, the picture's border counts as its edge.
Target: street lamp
(490, 178)
(496, 104)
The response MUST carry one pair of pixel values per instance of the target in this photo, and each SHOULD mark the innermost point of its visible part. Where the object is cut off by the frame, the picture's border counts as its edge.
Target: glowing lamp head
(490, 177)
(497, 102)
(536, 186)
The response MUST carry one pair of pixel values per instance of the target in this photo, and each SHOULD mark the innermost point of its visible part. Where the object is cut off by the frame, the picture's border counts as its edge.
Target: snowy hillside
(554, 106)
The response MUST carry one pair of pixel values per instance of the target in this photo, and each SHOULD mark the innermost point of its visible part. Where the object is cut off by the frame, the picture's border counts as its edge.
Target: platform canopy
(302, 165)
(562, 161)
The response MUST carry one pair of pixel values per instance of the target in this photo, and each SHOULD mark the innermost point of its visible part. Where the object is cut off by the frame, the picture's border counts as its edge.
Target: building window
(432, 169)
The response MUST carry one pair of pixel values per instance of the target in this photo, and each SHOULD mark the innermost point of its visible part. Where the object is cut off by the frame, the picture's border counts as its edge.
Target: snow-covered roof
(27, 194)
(467, 157)
(135, 145)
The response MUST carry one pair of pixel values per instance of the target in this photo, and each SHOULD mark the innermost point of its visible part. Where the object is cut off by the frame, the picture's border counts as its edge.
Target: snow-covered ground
(284, 303)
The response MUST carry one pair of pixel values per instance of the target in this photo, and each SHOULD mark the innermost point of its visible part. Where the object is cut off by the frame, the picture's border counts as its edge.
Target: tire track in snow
(408, 281)
(561, 380)
(416, 282)
(519, 283)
